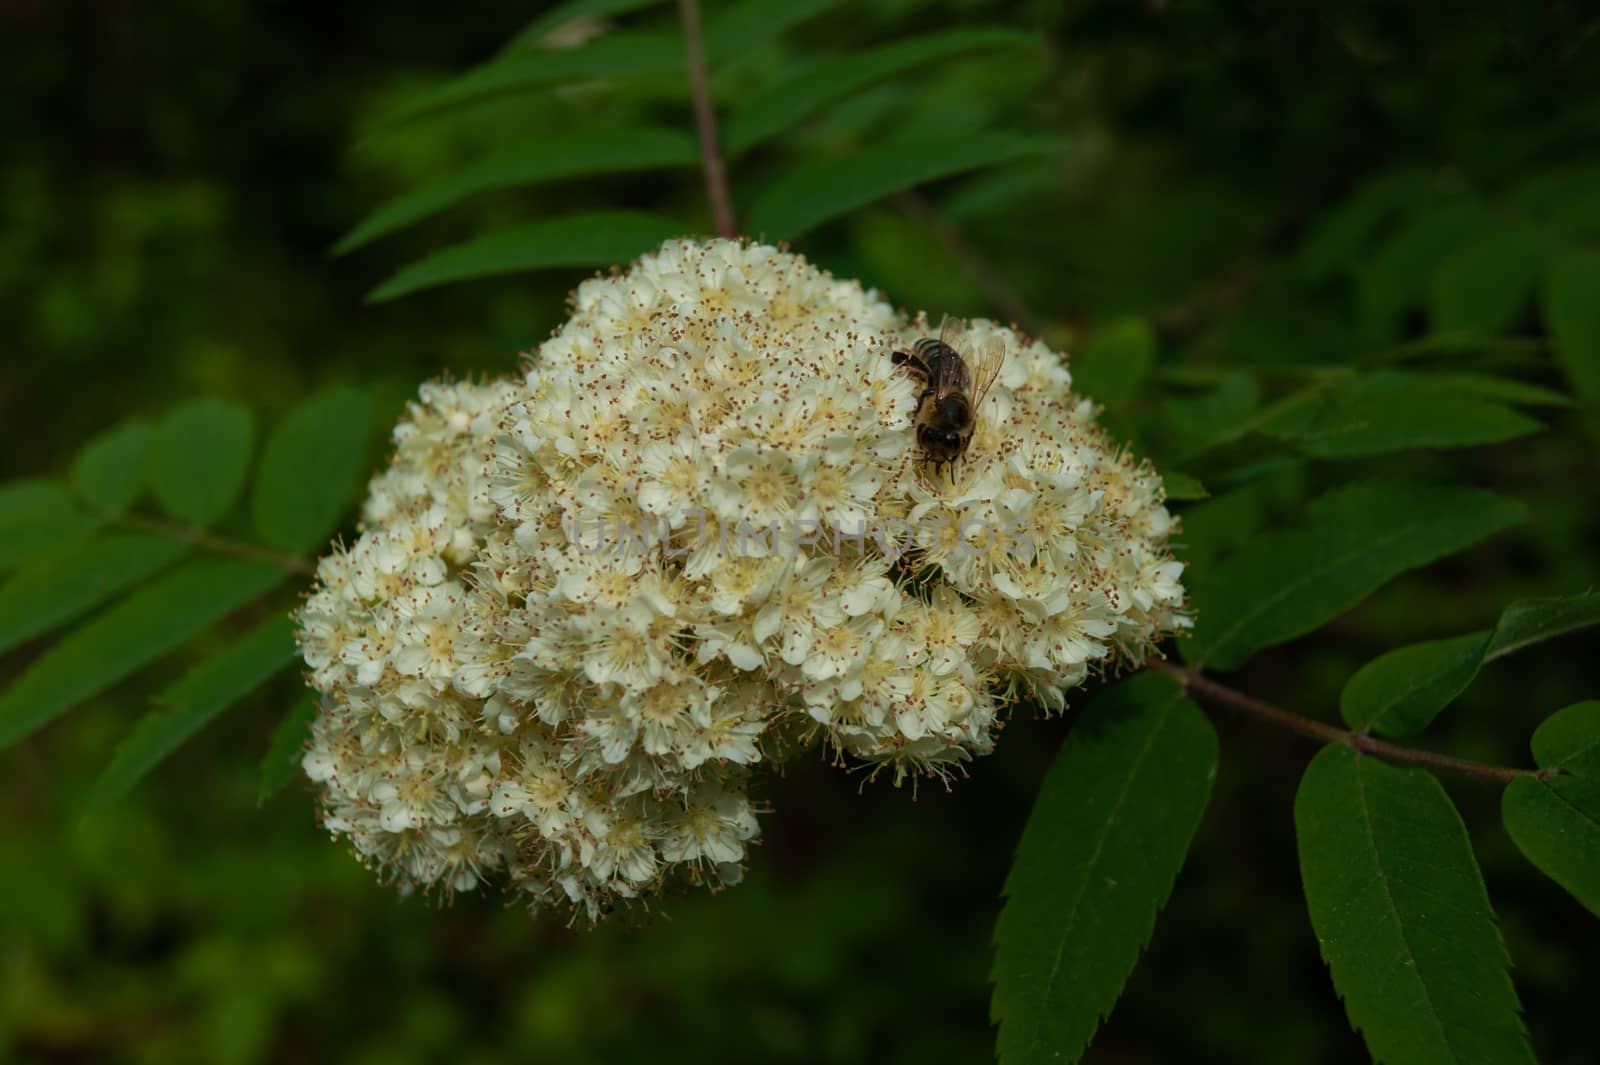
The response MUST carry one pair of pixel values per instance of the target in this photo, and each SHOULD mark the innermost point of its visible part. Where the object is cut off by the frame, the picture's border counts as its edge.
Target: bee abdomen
(929, 349)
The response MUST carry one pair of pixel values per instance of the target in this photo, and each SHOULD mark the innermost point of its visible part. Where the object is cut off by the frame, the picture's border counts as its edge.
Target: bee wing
(986, 363)
(953, 375)
(953, 332)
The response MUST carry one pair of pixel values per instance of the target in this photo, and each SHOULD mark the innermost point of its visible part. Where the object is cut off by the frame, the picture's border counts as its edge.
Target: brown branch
(705, 120)
(1196, 683)
(218, 545)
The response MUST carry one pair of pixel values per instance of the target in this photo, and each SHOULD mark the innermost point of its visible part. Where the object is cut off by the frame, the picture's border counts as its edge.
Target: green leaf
(1391, 411)
(58, 586)
(199, 458)
(594, 238)
(1401, 914)
(628, 54)
(1484, 285)
(131, 634)
(1214, 417)
(731, 34)
(36, 516)
(1354, 540)
(203, 693)
(1102, 847)
(1110, 368)
(1401, 692)
(1572, 313)
(311, 468)
(1569, 740)
(1340, 238)
(834, 78)
(735, 31)
(811, 194)
(1182, 486)
(1391, 280)
(1505, 389)
(109, 473)
(600, 151)
(289, 741)
(530, 36)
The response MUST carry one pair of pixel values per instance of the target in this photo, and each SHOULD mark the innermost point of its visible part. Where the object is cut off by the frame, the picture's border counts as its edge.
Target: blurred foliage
(1252, 204)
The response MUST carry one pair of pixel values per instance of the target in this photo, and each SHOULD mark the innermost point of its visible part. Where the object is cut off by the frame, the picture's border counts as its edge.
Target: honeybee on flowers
(954, 378)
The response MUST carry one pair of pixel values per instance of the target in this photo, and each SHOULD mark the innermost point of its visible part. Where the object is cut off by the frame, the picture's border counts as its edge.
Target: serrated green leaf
(1483, 286)
(1556, 822)
(109, 473)
(59, 585)
(1182, 486)
(594, 238)
(1102, 847)
(1402, 917)
(36, 516)
(1111, 367)
(834, 78)
(131, 634)
(533, 34)
(1395, 277)
(811, 194)
(1391, 411)
(311, 468)
(1572, 314)
(199, 457)
(1400, 693)
(289, 740)
(600, 151)
(187, 706)
(1353, 541)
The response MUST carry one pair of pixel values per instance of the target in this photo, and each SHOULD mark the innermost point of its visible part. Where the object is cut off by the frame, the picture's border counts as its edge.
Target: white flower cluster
(585, 602)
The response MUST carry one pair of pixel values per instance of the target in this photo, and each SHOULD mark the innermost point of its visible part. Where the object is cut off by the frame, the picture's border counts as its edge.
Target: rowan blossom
(696, 535)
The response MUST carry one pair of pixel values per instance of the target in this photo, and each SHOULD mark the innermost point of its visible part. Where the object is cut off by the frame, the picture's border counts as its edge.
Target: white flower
(587, 601)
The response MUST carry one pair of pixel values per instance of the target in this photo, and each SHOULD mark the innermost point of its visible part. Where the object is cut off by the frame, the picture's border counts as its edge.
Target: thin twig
(219, 545)
(705, 120)
(995, 287)
(1197, 683)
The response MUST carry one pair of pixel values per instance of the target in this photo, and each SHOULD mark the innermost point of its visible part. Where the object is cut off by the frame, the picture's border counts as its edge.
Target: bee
(954, 380)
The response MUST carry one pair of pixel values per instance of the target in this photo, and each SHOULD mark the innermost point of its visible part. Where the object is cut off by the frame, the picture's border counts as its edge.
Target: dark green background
(170, 179)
